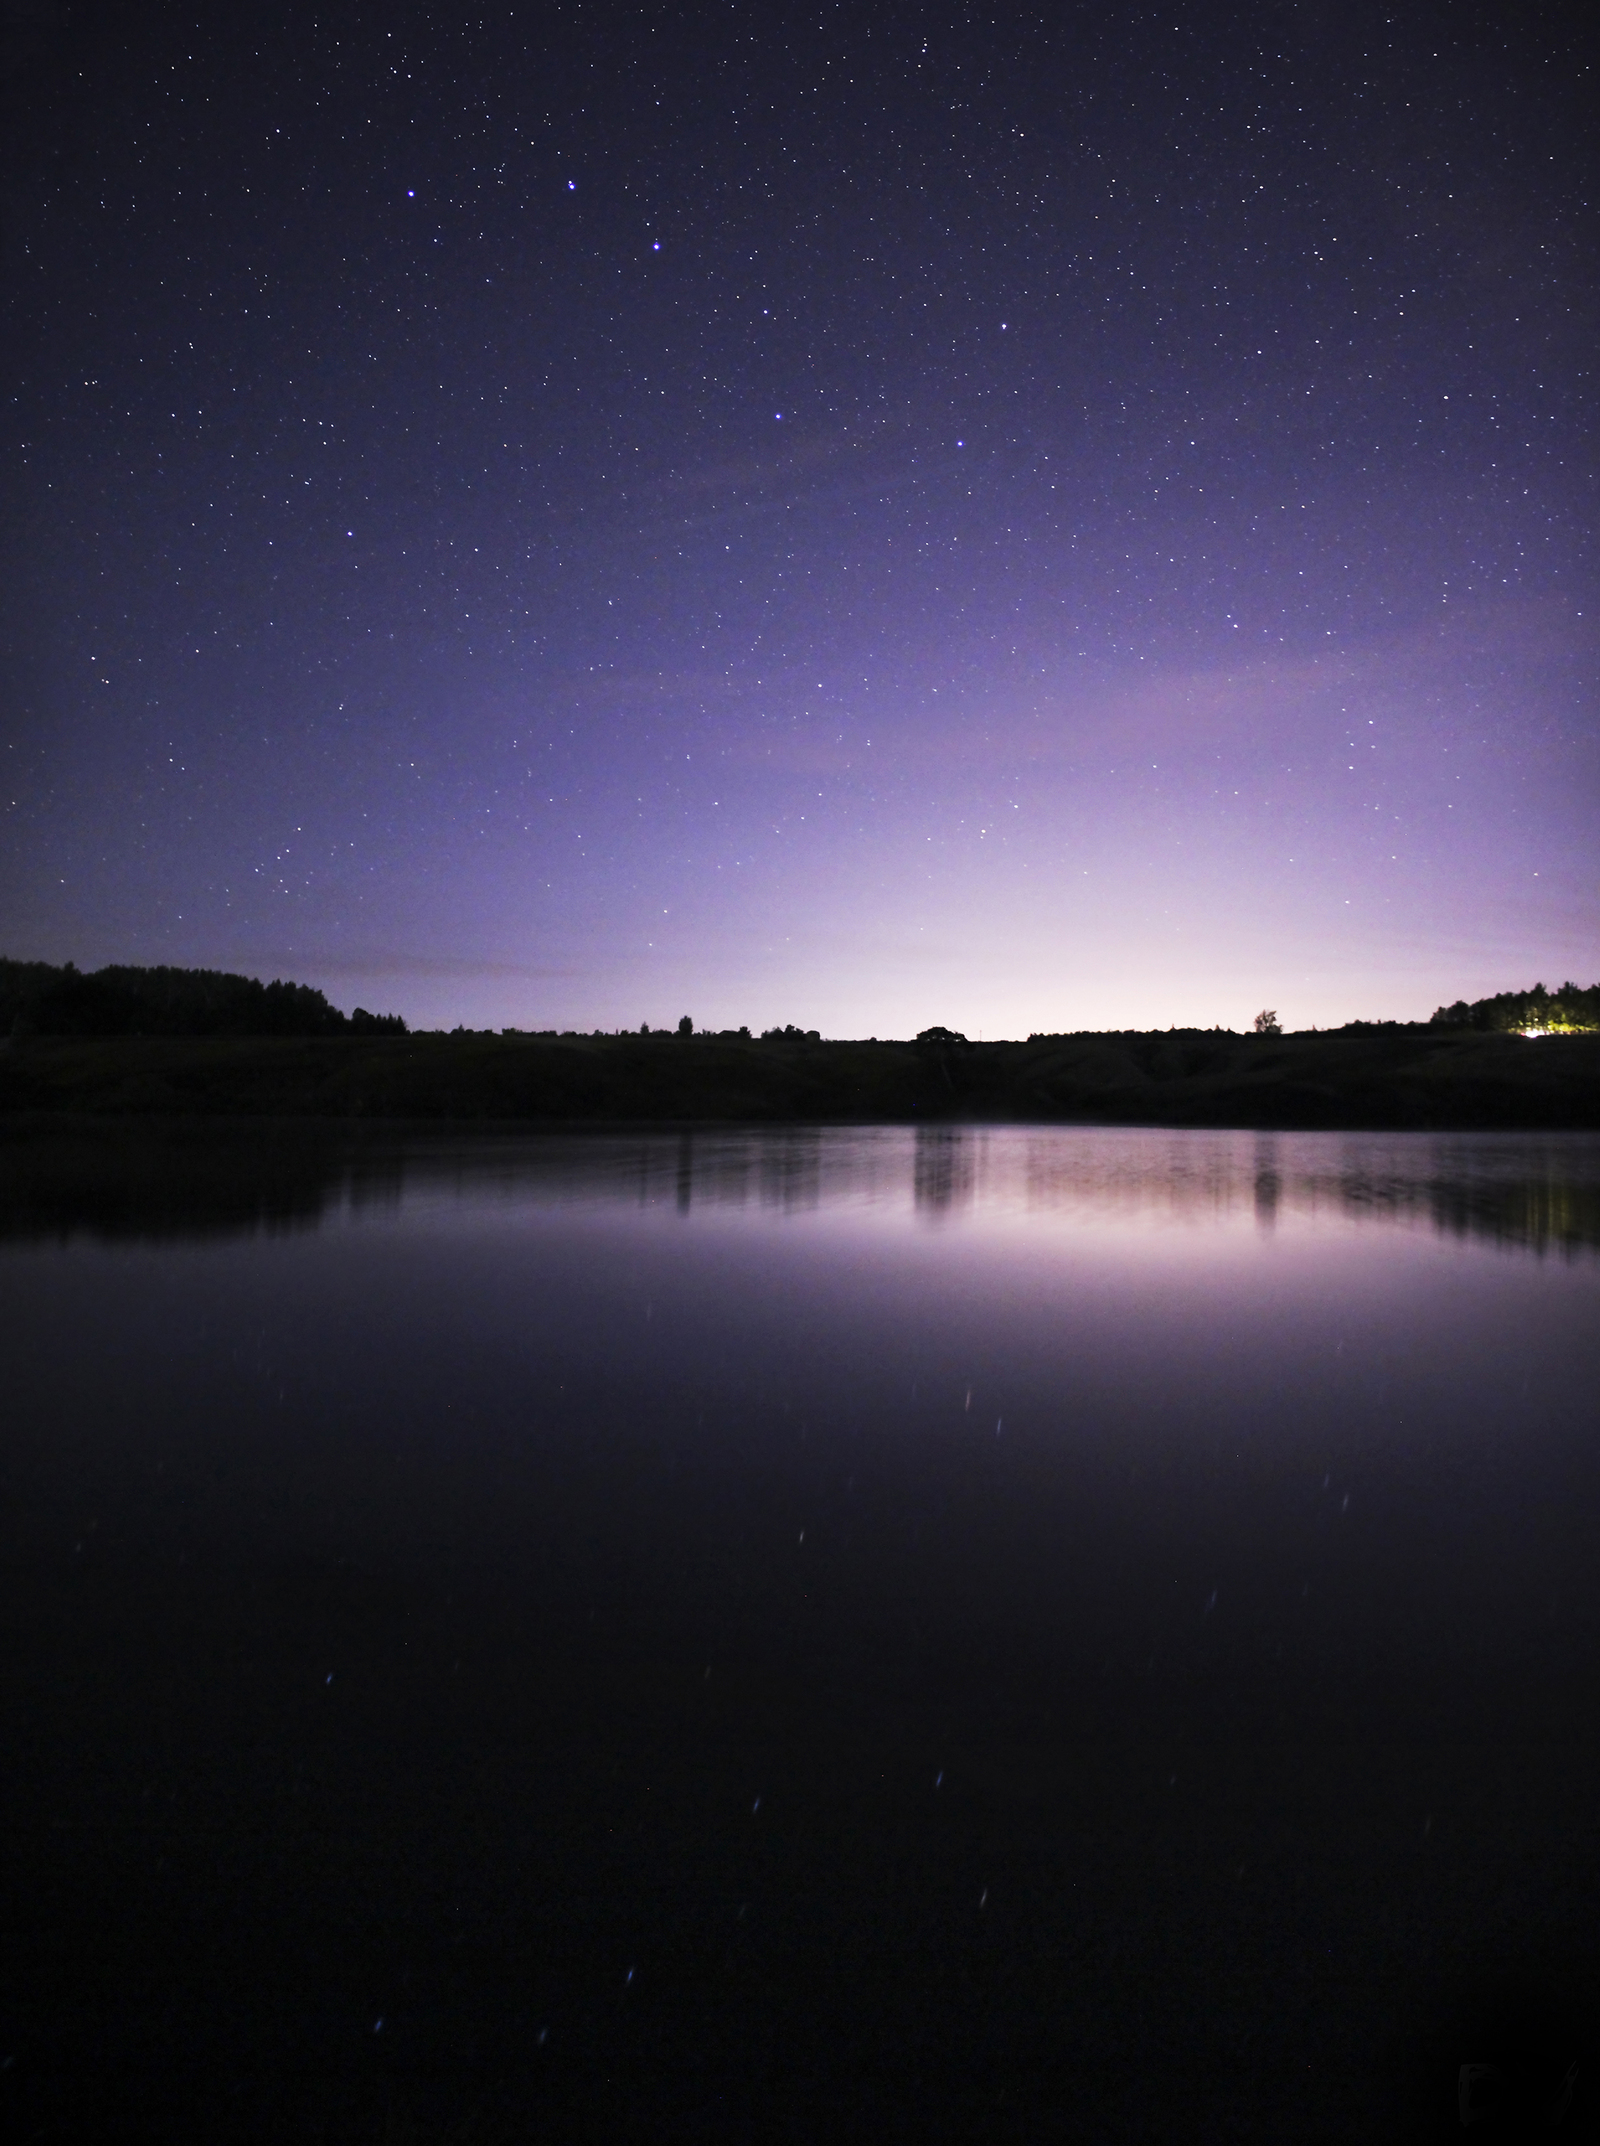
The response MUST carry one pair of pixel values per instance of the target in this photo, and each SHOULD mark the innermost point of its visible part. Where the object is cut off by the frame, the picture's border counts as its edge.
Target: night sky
(1031, 519)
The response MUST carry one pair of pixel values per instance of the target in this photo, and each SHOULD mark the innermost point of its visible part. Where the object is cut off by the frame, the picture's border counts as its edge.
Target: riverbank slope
(1403, 1078)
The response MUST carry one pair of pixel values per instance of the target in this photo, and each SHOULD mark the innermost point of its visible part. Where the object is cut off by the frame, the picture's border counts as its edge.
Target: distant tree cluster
(1572, 1010)
(39, 999)
(790, 1034)
(686, 1029)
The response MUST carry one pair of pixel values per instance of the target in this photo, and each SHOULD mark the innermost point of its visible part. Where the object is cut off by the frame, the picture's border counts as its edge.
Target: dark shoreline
(1414, 1079)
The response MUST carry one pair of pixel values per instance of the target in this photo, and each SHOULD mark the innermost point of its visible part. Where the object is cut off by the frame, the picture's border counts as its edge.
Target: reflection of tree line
(1543, 1213)
(142, 1189)
(781, 1170)
(944, 1170)
(127, 1185)
(122, 1186)
(1540, 1214)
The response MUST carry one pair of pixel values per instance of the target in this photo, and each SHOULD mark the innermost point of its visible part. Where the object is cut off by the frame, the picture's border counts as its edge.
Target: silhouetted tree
(686, 1026)
(1266, 1023)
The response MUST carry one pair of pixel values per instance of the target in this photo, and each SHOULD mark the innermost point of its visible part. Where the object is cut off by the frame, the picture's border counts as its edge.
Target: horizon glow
(861, 522)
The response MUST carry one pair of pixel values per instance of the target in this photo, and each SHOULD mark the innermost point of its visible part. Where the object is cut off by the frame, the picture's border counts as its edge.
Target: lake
(938, 1633)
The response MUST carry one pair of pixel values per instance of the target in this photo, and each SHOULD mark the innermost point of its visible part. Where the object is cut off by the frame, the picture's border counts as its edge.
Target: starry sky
(1035, 518)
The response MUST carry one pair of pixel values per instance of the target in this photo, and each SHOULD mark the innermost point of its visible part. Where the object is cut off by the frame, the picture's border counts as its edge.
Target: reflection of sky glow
(1032, 1183)
(1126, 1288)
(937, 1184)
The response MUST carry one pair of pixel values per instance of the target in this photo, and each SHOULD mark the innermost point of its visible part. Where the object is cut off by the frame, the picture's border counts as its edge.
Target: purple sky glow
(863, 517)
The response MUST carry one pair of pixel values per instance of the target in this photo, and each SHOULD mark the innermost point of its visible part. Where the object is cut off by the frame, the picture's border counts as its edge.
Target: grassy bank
(1401, 1078)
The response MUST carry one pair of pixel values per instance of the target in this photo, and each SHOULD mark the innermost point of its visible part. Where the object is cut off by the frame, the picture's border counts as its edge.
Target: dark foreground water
(951, 1635)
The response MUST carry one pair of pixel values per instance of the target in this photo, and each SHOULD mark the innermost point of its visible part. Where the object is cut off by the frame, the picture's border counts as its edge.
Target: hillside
(1415, 1077)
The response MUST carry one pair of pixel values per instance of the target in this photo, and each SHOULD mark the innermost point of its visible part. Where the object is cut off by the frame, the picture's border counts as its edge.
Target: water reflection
(132, 1185)
(1269, 1185)
(1534, 1192)
(777, 1170)
(579, 1600)
(944, 1170)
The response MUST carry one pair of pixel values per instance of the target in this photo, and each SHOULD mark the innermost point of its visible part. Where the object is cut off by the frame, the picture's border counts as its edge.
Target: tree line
(37, 998)
(1571, 1009)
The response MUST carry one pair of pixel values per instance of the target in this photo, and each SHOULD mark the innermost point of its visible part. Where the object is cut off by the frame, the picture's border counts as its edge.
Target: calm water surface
(945, 1634)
